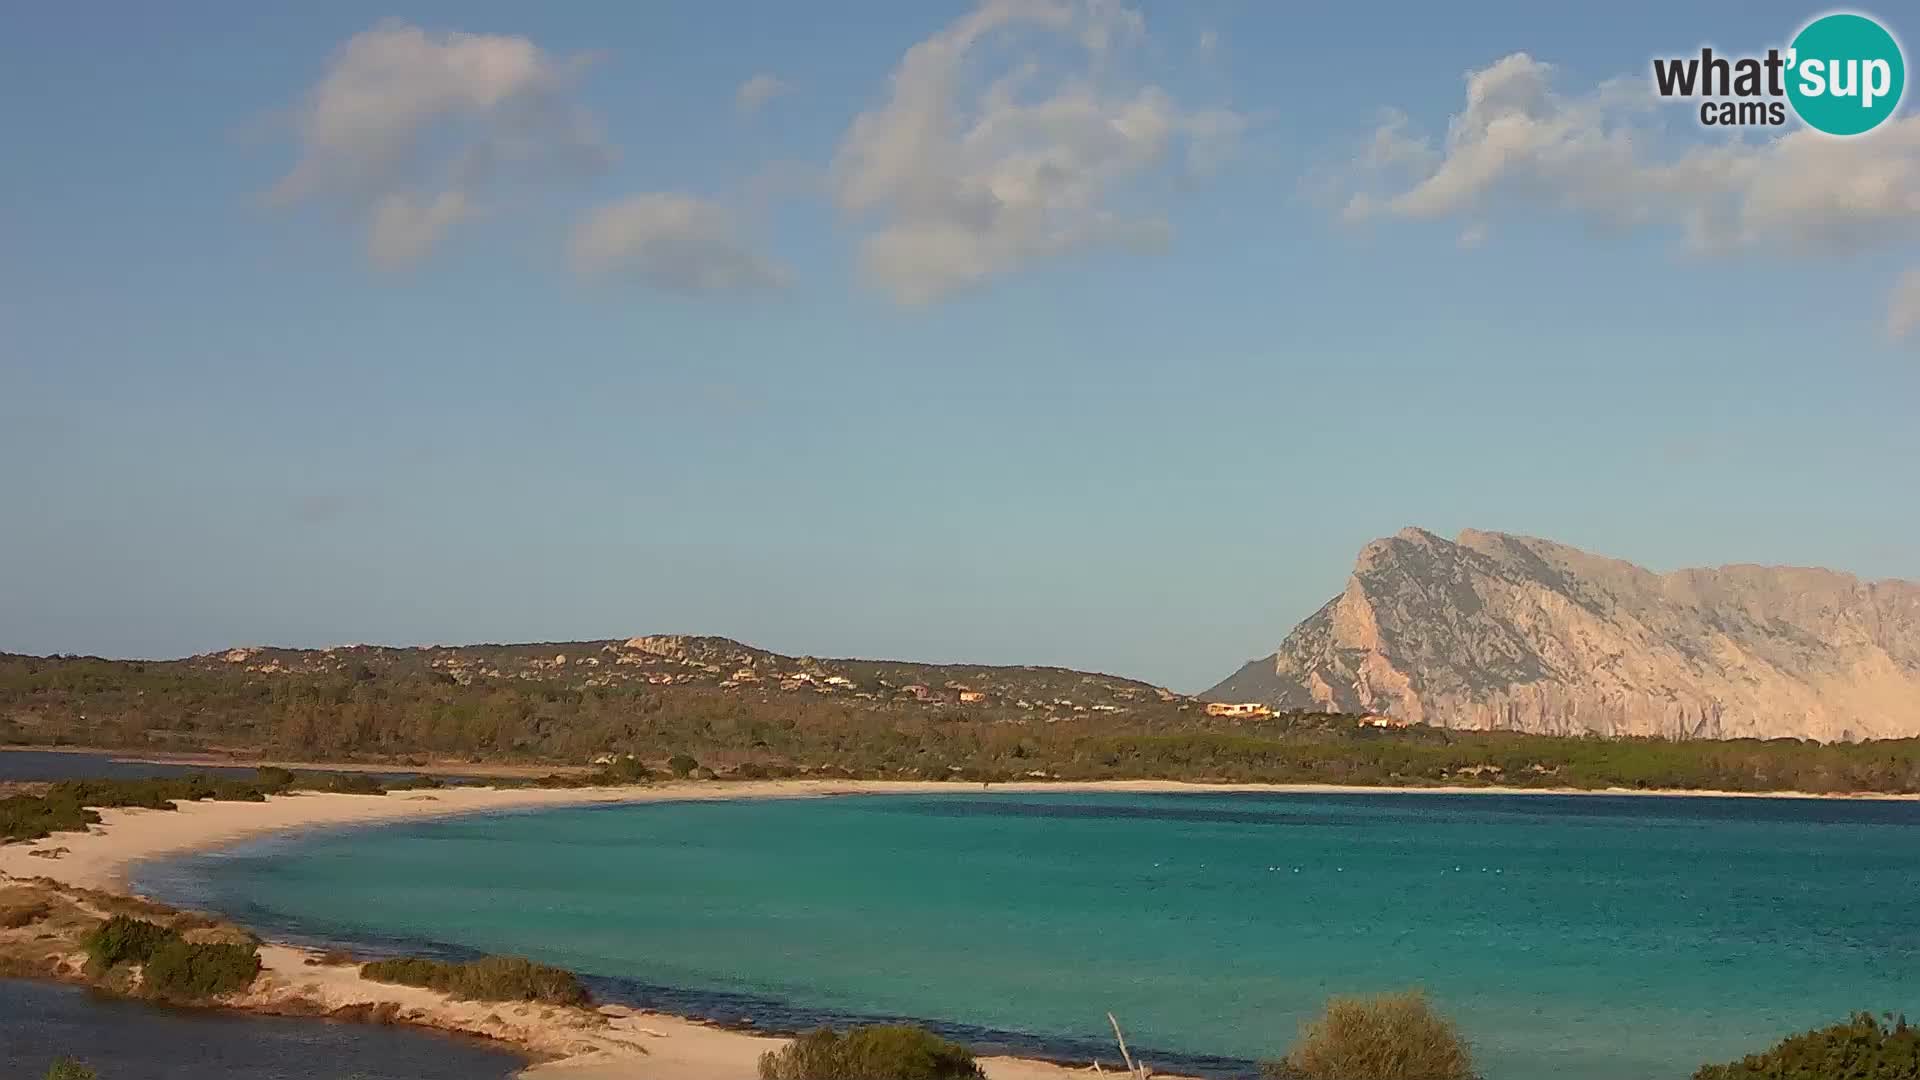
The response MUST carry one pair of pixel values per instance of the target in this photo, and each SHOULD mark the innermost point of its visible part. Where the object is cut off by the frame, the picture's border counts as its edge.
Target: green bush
(682, 765)
(1860, 1049)
(170, 965)
(1387, 1037)
(30, 817)
(407, 971)
(180, 969)
(419, 782)
(69, 1069)
(273, 777)
(344, 783)
(67, 805)
(124, 939)
(879, 1052)
(491, 978)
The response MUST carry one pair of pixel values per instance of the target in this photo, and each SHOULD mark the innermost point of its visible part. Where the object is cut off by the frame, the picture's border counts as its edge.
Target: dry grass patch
(1387, 1037)
(22, 907)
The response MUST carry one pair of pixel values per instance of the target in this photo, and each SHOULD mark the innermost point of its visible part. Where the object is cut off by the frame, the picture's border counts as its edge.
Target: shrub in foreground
(492, 978)
(181, 969)
(71, 805)
(124, 939)
(69, 1069)
(1387, 1037)
(417, 782)
(348, 783)
(170, 965)
(273, 778)
(889, 1051)
(1862, 1048)
(30, 817)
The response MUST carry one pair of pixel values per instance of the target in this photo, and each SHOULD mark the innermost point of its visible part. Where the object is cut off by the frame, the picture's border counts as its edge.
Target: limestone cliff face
(1497, 631)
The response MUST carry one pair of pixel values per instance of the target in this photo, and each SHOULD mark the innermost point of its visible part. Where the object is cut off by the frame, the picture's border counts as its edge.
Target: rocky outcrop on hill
(1498, 631)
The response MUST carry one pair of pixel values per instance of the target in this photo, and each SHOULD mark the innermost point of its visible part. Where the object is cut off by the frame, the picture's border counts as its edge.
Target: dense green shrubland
(70, 805)
(186, 970)
(492, 978)
(402, 711)
(124, 939)
(892, 1051)
(171, 967)
(1862, 1048)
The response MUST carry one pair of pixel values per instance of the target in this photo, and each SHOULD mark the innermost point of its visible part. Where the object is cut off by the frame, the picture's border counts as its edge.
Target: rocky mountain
(1494, 631)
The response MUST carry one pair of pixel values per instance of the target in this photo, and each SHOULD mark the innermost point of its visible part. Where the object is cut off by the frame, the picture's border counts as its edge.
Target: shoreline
(103, 856)
(1137, 785)
(216, 759)
(603, 1043)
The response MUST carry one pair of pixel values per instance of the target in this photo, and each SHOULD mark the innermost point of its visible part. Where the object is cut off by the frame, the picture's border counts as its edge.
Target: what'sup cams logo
(1843, 74)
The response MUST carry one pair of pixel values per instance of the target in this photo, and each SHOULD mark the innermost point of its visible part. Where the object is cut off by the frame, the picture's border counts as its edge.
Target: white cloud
(404, 229)
(759, 90)
(1903, 309)
(1602, 156)
(406, 126)
(973, 168)
(675, 242)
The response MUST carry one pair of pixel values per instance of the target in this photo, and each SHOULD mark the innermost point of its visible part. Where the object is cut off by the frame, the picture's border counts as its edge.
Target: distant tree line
(404, 716)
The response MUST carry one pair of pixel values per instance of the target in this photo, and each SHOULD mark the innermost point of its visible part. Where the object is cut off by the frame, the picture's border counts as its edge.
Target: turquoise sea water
(1588, 938)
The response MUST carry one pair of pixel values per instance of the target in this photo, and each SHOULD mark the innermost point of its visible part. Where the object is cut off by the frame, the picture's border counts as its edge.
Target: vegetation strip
(747, 713)
(491, 978)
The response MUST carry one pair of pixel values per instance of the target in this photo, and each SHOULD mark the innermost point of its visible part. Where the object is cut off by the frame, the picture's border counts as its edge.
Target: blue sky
(468, 322)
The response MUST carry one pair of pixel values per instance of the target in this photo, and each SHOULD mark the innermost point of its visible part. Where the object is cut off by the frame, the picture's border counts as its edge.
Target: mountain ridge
(1497, 630)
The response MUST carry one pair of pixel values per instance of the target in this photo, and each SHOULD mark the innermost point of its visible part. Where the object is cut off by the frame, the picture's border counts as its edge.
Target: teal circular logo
(1846, 74)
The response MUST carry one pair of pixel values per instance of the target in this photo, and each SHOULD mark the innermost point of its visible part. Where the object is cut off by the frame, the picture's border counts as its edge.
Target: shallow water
(125, 1040)
(1588, 937)
(61, 765)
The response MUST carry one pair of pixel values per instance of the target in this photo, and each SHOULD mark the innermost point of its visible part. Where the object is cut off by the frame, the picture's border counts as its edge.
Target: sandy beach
(608, 1042)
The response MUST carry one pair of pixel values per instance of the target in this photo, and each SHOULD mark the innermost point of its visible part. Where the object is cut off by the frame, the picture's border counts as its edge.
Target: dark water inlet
(128, 1040)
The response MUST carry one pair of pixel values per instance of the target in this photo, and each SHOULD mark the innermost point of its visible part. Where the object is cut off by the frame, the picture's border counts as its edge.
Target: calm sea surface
(125, 1040)
(1584, 938)
(62, 765)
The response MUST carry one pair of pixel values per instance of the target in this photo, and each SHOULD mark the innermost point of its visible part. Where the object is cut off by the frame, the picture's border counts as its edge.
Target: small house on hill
(1244, 708)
